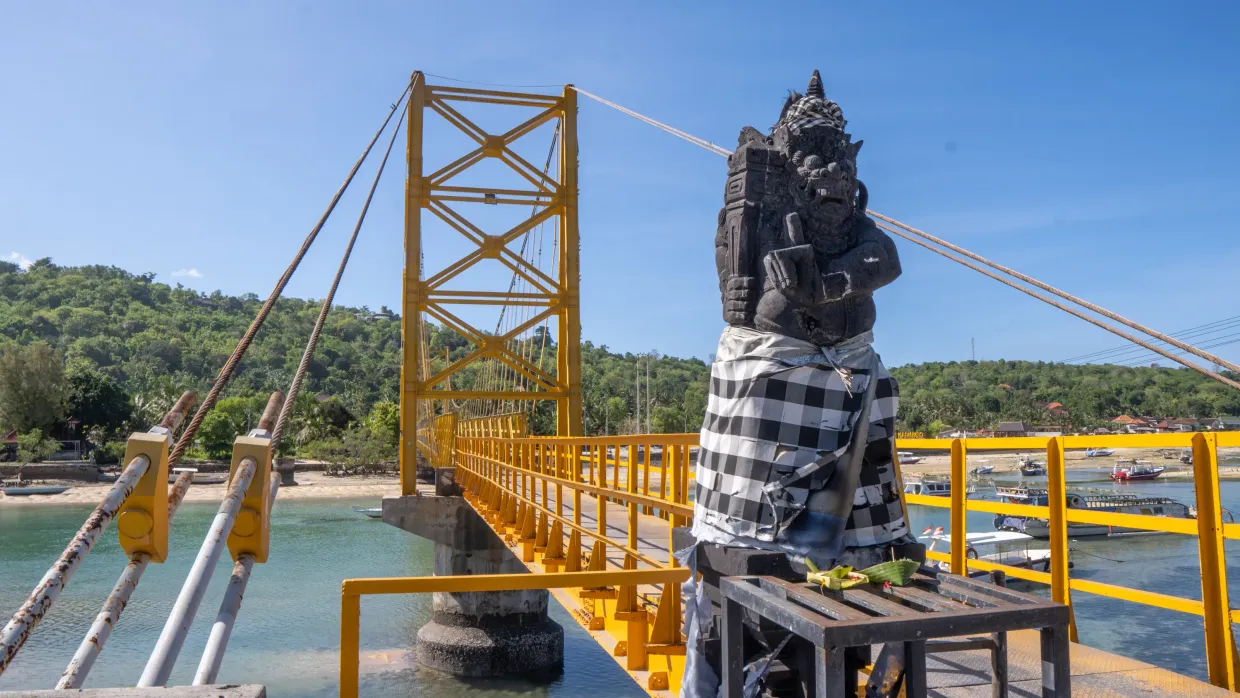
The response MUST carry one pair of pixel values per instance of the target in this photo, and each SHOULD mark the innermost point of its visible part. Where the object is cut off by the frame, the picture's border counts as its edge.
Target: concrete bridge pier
(477, 634)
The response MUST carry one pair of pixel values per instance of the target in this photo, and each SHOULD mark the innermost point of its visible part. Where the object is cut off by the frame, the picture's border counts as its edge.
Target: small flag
(928, 531)
(938, 531)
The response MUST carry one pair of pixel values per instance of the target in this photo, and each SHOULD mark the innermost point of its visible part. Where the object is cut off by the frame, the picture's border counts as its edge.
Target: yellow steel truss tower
(556, 298)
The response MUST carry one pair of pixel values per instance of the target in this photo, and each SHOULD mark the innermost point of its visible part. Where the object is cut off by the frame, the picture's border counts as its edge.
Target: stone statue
(796, 459)
(795, 252)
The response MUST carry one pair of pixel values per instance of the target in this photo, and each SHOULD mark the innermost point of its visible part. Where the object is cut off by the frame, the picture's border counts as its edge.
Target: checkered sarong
(778, 406)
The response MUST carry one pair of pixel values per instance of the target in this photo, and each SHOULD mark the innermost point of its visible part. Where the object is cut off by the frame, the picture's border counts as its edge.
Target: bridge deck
(953, 675)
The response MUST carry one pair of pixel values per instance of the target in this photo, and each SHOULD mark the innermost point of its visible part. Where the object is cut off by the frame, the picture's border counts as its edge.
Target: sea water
(287, 635)
(1164, 563)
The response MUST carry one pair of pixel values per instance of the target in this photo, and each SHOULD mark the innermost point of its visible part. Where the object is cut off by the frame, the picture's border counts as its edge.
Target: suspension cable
(1066, 296)
(221, 380)
(294, 388)
(700, 142)
(1011, 272)
(1188, 364)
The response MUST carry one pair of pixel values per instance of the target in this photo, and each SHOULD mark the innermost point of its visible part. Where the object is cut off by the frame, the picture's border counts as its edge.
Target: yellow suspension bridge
(590, 518)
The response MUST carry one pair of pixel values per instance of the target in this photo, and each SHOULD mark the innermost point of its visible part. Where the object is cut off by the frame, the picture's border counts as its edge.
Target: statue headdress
(811, 110)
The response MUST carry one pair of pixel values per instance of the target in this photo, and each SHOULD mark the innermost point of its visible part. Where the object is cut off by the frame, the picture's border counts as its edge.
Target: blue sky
(1089, 144)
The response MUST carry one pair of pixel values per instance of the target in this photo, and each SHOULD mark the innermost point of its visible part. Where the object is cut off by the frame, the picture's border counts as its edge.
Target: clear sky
(1092, 145)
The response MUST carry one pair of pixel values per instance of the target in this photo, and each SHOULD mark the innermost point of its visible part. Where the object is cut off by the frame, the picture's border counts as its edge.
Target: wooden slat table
(929, 607)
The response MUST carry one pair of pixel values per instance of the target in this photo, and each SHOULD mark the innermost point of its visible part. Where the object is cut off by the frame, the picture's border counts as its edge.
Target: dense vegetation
(977, 394)
(114, 350)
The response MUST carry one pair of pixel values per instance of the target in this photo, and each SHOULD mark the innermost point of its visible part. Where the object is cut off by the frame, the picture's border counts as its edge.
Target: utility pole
(649, 401)
(637, 380)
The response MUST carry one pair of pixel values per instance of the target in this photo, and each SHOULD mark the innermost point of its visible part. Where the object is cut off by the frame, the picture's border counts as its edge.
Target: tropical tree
(33, 389)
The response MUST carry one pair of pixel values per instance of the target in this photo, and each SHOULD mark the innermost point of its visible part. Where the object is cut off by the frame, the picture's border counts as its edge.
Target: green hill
(147, 341)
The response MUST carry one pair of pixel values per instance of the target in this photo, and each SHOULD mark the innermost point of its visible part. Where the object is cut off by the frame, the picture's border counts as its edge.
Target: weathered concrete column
(477, 634)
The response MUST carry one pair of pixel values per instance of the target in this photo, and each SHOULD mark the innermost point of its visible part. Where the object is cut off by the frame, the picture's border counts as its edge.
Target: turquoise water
(288, 633)
(287, 636)
(1166, 563)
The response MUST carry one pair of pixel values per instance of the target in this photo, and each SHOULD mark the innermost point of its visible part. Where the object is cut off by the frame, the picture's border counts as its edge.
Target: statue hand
(739, 300)
(794, 272)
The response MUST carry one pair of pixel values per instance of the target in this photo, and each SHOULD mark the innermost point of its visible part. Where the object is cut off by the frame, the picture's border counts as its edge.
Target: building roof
(1125, 419)
(1011, 426)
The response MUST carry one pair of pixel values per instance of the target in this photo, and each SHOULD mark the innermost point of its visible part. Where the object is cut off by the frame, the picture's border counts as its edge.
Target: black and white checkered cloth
(781, 413)
(811, 112)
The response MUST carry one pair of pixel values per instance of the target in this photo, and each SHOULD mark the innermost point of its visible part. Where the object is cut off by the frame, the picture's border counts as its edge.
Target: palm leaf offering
(897, 572)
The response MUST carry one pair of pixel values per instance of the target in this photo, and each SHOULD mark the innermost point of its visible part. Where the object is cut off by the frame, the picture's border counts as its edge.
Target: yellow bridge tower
(428, 295)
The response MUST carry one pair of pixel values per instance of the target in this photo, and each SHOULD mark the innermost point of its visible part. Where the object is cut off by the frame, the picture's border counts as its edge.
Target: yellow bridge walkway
(602, 509)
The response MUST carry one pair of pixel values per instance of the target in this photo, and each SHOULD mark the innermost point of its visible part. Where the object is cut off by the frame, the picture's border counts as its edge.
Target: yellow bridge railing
(1211, 531)
(607, 504)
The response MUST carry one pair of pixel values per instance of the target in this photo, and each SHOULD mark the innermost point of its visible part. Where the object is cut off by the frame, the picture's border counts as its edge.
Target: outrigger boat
(1121, 503)
(1139, 470)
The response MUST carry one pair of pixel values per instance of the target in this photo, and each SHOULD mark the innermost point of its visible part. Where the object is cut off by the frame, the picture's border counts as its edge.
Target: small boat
(28, 491)
(907, 458)
(984, 469)
(375, 513)
(1139, 470)
(1009, 548)
(202, 478)
(1029, 467)
(1099, 452)
(1121, 503)
(933, 488)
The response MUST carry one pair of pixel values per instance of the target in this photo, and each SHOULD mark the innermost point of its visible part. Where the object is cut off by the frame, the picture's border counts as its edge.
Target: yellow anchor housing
(251, 532)
(143, 519)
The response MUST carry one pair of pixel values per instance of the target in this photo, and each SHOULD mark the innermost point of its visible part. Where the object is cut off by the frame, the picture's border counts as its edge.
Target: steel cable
(718, 150)
(1066, 296)
(221, 380)
(294, 387)
(1072, 311)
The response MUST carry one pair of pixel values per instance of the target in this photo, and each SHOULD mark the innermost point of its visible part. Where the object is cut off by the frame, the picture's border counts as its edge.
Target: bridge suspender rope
(221, 631)
(229, 366)
(163, 658)
(719, 150)
(44, 595)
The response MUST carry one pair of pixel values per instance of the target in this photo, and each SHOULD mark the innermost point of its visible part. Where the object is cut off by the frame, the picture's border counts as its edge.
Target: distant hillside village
(1123, 424)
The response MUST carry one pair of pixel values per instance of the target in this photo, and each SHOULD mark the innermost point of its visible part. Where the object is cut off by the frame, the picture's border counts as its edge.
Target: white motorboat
(999, 547)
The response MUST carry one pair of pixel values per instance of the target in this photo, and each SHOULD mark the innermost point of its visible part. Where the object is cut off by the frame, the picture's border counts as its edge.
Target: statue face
(825, 182)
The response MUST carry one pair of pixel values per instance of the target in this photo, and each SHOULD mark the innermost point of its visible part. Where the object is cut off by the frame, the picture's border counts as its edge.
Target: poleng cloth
(781, 413)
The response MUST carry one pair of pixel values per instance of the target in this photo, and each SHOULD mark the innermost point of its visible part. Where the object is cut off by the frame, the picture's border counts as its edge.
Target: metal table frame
(832, 621)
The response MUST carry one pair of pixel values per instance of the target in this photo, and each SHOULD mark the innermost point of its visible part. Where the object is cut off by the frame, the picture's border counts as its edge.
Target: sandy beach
(1007, 463)
(310, 485)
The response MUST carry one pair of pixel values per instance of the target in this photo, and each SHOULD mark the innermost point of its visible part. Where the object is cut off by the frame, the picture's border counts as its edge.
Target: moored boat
(1139, 470)
(1009, 548)
(908, 458)
(29, 491)
(375, 513)
(1029, 467)
(933, 488)
(1099, 452)
(1121, 503)
(983, 469)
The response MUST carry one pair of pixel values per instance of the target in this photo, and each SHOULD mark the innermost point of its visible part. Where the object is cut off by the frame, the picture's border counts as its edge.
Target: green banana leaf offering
(897, 572)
